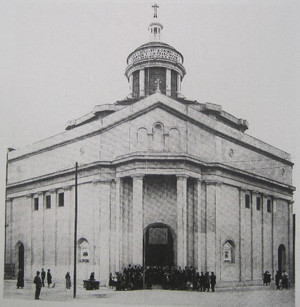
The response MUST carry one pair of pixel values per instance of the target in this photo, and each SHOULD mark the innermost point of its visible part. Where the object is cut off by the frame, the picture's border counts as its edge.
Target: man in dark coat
(43, 276)
(212, 281)
(38, 285)
(49, 278)
(202, 282)
(207, 282)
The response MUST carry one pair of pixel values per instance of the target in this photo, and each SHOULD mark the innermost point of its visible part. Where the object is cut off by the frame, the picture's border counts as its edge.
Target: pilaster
(138, 227)
(182, 220)
(290, 240)
(131, 84)
(274, 249)
(213, 190)
(103, 189)
(168, 82)
(200, 238)
(178, 83)
(262, 234)
(142, 82)
(118, 224)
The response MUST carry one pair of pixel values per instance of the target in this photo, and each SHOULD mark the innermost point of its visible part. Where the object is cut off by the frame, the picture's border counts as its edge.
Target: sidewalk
(243, 296)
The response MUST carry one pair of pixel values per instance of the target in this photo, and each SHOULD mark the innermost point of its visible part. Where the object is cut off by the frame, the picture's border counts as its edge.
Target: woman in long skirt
(68, 280)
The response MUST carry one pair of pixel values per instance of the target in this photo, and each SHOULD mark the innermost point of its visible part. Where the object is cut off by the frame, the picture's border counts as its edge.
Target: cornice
(161, 157)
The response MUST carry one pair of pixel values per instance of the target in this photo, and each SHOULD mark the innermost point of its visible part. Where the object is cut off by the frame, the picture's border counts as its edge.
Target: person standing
(38, 285)
(207, 282)
(277, 279)
(20, 282)
(49, 278)
(92, 276)
(202, 282)
(68, 280)
(268, 278)
(212, 281)
(284, 280)
(265, 278)
(43, 276)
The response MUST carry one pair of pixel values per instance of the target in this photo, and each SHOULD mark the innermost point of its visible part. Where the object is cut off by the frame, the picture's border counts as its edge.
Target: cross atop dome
(155, 7)
(155, 27)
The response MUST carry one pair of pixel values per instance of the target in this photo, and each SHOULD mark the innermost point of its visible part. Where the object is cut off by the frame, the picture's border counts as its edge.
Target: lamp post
(75, 231)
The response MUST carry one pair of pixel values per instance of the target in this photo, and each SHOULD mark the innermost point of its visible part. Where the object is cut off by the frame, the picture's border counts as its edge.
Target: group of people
(281, 280)
(267, 278)
(169, 277)
(20, 279)
(39, 281)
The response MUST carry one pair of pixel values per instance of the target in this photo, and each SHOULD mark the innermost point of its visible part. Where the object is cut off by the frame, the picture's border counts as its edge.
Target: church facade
(162, 180)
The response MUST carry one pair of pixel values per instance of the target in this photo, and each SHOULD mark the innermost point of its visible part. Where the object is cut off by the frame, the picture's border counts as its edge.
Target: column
(211, 199)
(182, 220)
(138, 228)
(262, 234)
(201, 231)
(142, 82)
(178, 83)
(131, 85)
(118, 224)
(241, 194)
(168, 82)
(102, 244)
(218, 220)
(251, 227)
(290, 241)
(274, 249)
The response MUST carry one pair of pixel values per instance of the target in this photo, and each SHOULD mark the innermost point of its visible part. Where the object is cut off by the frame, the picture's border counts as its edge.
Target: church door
(281, 258)
(158, 245)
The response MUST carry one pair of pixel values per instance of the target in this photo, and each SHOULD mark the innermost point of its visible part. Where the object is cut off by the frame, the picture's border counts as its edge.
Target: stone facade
(156, 161)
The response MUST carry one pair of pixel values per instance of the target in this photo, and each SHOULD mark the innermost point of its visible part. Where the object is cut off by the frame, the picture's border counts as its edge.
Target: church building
(161, 180)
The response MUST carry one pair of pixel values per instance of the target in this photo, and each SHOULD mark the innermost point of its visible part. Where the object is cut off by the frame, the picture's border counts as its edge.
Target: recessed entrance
(159, 245)
(281, 258)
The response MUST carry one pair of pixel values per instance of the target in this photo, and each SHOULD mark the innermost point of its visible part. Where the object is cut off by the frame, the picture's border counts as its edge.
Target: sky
(60, 58)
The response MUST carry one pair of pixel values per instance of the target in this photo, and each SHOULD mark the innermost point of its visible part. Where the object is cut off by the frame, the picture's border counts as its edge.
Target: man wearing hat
(38, 285)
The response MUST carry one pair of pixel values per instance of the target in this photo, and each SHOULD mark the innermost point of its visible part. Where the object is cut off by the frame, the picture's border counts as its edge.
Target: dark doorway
(281, 258)
(158, 244)
(21, 256)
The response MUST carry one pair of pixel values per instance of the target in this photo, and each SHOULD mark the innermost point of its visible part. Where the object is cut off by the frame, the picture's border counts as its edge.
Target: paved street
(59, 296)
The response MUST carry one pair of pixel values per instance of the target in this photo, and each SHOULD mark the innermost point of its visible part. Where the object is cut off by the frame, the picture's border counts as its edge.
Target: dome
(155, 66)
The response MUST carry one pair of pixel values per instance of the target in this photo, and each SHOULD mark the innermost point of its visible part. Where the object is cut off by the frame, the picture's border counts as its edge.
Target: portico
(157, 195)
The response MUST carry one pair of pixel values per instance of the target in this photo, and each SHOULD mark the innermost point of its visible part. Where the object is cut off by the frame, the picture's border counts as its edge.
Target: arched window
(228, 251)
(84, 250)
(142, 139)
(158, 137)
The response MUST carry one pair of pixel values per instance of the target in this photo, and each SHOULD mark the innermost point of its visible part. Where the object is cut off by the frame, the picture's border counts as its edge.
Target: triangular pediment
(139, 108)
